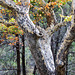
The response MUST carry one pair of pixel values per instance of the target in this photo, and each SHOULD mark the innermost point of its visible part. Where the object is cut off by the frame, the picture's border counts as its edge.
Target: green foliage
(63, 1)
(12, 20)
(66, 18)
(13, 29)
(72, 47)
(3, 28)
(16, 1)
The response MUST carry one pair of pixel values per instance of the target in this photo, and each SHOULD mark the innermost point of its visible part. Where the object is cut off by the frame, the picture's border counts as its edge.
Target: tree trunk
(40, 39)
(67, 40)
(43, 61)
(60, 71)
(34, 72)
(39, 45)
(18, 56)
(23, 56)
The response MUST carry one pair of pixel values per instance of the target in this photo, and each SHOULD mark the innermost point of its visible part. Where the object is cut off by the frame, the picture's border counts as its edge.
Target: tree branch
(66, 42)
(52, 29)
(55, 17)
(62, 14)
(22, 15)
(68, 39)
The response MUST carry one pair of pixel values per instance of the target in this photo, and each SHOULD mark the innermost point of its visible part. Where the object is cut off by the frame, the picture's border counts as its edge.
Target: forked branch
(52, 29)
(67, 40)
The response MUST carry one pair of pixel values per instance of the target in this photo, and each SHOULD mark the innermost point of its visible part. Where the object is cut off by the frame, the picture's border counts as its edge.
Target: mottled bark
(40, 49)
(39, 46)
(40, 39)
(66, 42)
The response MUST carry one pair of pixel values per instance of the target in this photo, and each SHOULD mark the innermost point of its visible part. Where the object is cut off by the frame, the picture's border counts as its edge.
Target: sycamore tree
(39, 38)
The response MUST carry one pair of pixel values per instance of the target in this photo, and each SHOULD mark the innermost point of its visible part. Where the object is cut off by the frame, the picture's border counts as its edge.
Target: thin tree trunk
(23, 56)
(66, 64)
(34, 72)
(18, 56)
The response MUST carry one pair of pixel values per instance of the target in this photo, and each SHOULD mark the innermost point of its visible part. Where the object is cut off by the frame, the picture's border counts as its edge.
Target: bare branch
(62, 14)
(73, 4)
(52, 29)
(55, 17)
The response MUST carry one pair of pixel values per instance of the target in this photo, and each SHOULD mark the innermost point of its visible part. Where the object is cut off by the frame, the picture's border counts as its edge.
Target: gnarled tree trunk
(40, 39)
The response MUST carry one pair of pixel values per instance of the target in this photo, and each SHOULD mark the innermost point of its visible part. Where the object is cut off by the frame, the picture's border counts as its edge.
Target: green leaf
(15, 1)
